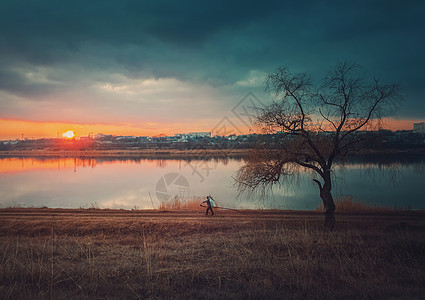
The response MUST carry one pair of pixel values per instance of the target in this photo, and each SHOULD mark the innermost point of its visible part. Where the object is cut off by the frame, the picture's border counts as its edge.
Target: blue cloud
(216, 43)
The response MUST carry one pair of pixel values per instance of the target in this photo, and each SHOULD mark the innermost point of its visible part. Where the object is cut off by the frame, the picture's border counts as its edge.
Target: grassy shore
(114, 254)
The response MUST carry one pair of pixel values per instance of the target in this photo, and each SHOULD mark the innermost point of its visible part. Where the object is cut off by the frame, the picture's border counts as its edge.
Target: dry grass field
(115, 254)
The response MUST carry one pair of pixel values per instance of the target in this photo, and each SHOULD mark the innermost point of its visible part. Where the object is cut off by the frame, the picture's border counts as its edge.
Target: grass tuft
(347, 203)
(178, 203)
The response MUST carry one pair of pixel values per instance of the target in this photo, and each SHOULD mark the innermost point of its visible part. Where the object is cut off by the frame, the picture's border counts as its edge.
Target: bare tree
(315, 125)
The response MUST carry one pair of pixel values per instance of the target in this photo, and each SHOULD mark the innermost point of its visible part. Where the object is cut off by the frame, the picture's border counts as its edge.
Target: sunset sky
(151, 67)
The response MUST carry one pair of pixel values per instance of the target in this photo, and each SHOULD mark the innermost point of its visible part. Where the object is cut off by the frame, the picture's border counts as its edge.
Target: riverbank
(199, 153)
(139, 153)
(91, 253)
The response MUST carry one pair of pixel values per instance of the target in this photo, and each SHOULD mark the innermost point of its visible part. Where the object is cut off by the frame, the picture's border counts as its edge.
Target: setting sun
(69, 134)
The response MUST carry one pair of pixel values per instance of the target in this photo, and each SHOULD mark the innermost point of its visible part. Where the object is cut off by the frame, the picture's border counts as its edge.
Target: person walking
(210, 204)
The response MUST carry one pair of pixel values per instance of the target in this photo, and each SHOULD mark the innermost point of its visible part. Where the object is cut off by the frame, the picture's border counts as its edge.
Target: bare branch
(318, 124)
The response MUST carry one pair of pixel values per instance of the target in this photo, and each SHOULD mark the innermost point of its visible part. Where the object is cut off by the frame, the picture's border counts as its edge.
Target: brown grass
(347, 203)
(111, 254)
(178, 203)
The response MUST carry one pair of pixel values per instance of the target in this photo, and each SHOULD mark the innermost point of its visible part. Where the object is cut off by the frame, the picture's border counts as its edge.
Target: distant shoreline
(142, 153)
(171, 153)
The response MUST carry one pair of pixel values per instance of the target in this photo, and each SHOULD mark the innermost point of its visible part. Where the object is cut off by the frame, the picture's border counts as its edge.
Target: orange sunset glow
(11, 165)
(13, 129)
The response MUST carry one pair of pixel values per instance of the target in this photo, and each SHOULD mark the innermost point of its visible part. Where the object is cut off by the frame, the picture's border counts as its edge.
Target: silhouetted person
(210, 204)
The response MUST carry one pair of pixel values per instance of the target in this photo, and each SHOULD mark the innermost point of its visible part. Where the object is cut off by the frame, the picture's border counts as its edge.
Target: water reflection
(23, 164)
(128, 182)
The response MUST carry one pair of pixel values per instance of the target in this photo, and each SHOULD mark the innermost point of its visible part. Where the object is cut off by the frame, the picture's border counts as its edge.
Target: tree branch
(310, 166)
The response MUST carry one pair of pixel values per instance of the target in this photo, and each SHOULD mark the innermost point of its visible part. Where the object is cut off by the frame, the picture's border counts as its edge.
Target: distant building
(103, 137)
(199, 134)
(191, 135)
(419, 127)
(179, 137)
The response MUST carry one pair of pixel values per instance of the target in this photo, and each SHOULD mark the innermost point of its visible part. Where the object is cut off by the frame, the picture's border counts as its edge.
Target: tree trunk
(328, 201)
(329, 204)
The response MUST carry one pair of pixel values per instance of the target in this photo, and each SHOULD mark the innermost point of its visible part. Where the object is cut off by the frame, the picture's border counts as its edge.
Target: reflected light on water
(128, 183)
(8, 165)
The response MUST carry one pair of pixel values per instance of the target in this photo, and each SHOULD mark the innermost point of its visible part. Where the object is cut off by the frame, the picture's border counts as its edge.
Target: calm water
(144, 184)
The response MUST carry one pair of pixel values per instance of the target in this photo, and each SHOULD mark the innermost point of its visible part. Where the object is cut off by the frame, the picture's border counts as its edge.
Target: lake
(128, 183)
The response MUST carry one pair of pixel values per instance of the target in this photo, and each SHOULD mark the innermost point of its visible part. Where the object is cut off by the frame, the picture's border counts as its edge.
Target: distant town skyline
(417, 127)
(149, 68)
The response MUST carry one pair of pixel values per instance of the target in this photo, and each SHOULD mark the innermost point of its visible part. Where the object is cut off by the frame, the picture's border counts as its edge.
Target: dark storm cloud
(19, 85)
(216, 42)
(37, 29)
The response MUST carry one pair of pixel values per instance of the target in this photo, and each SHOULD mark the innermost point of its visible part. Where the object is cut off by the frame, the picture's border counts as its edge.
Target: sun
(69, 134)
